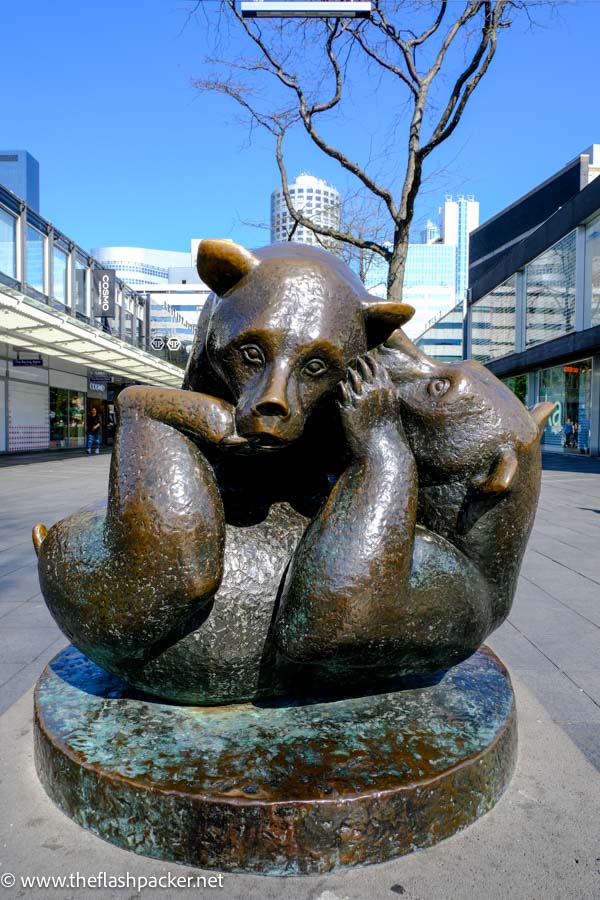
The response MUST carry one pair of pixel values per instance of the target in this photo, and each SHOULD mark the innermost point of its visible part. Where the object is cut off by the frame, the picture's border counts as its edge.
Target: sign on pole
(105, 294)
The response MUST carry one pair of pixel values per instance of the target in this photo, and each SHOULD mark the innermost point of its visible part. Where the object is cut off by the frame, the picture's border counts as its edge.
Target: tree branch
(325, 231)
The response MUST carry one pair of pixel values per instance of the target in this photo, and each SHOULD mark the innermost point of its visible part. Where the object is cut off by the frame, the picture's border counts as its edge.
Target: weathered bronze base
(285, 788)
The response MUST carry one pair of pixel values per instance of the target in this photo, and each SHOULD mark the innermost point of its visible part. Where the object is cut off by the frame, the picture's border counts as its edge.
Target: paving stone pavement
(546, 828)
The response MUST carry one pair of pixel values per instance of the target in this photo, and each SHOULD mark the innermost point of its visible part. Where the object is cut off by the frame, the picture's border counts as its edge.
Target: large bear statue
(320, 504)
(173, 587)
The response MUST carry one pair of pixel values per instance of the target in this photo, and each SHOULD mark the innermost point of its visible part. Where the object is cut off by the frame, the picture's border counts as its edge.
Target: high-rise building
(458, 218)
(315, 199)
(436, 273)
(429, 279)
(431, 233)
(429, 283)
(20, 173)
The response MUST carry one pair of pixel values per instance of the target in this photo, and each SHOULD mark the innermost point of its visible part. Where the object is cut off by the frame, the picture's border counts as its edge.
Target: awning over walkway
(27, 323)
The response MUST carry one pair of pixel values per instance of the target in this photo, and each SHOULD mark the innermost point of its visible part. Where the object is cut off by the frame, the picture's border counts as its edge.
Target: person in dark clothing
(569, 434)
(94, 432)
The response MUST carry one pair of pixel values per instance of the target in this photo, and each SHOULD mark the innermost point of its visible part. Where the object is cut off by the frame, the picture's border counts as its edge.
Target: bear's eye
(253, 354)
(315, 367)
(438, 387)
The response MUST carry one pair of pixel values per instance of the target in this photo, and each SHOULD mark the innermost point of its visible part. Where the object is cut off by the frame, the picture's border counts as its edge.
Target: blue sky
(130, 153)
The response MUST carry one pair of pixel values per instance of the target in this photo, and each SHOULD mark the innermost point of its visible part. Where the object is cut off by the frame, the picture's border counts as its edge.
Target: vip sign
(104, 293)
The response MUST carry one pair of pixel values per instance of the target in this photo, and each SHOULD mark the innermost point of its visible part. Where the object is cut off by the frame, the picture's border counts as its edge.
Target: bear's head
(459, 418)
(278, 333)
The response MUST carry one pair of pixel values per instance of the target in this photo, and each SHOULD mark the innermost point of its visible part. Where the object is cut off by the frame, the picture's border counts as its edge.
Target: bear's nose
(272, 406)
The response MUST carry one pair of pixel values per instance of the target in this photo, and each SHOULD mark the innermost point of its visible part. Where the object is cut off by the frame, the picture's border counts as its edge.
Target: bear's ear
(540, 414)
(382, 317)
(502, 475)
(221, 264)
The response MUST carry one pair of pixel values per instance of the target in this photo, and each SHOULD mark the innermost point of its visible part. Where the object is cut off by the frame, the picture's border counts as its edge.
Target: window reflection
(79, 287)
(59, 290)
(592, 267)
(35, 259)
(493, 322)
(67, 418)
(8, 245)
(551, 292)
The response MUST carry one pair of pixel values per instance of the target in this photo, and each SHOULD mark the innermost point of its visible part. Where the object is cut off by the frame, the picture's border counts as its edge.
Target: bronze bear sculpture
(313, 500)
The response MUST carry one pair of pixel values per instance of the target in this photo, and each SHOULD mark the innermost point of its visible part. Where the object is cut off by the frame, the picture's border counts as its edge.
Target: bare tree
(429, 55)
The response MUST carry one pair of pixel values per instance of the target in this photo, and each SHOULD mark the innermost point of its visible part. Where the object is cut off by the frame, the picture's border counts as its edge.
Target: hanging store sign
(97, 387)
(104, 292)
(97, 375)
(173, 343)
(157, 343)
(28, 362)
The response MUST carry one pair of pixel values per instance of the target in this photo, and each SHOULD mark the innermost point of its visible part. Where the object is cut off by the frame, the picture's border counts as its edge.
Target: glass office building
(20, 173)
(443, 338)
(534, 311)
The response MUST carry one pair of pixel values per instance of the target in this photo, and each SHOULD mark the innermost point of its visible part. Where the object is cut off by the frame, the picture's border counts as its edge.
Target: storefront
(67, 418)
(533, 310)
(569, 387)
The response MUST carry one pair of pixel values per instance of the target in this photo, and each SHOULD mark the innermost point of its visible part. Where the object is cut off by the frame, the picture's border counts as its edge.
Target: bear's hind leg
(121, 585)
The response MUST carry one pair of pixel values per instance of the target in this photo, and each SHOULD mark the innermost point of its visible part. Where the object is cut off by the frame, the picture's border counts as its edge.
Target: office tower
(429, 283)
(431, 233)
(20, 173)
(316, 200)
(458, 218)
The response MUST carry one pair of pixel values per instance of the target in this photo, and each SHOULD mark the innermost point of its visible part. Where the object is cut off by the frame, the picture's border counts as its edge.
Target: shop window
(569, 387)
(67, 418)
(518, 385)
(550, 281)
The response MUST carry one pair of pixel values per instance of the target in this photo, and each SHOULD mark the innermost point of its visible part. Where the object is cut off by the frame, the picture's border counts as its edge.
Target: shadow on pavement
(44, 456)
(570, 462)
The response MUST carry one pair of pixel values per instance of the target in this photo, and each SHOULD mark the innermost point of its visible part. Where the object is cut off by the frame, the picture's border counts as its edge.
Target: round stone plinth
(282, 788)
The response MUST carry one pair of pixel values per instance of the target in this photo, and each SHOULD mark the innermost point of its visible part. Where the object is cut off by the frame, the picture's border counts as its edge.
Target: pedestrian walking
(94, 432)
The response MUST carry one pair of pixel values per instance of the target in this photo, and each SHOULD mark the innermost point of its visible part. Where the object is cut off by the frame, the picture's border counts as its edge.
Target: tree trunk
(395, 282)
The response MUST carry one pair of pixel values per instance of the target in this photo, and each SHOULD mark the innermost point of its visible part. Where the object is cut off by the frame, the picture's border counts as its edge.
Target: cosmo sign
(104, 293)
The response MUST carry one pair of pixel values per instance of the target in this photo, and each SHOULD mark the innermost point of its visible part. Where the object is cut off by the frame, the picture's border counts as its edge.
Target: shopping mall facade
(58, 357)
(533, 314)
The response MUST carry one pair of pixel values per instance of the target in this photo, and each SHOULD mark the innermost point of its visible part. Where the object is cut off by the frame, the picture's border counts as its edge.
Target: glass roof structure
(27, 323)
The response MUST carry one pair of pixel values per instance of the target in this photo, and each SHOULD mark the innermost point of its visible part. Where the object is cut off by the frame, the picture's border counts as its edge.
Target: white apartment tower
(315, 199)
